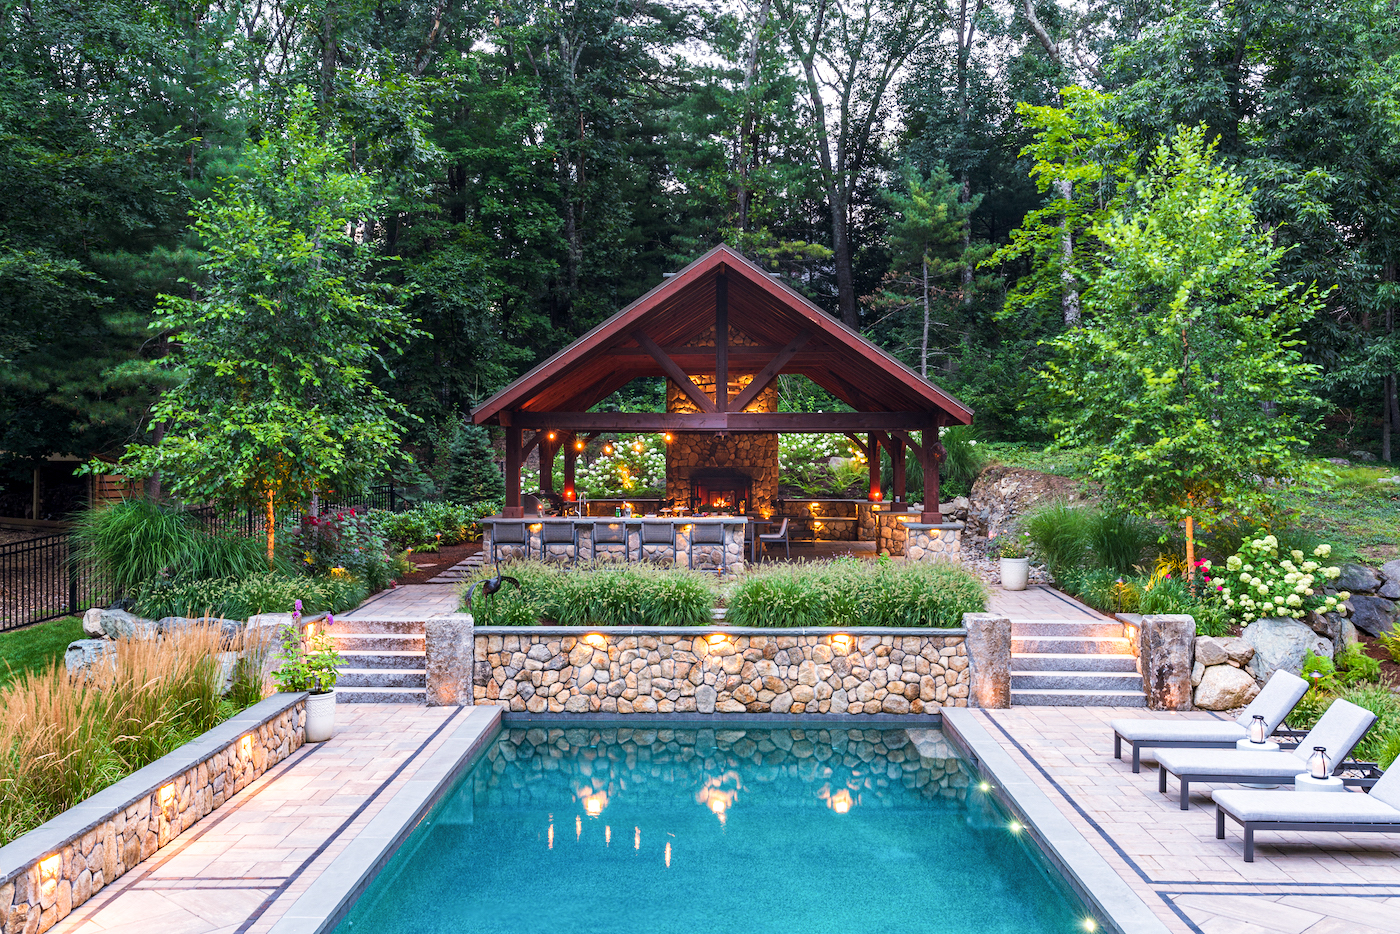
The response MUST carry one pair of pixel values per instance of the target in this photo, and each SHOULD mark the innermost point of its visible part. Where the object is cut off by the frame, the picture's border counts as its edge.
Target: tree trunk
(745, 141)
(841, 246)
(923, 350)
(328, 57)
(1069, 300)
(271, 532)
(965, 196)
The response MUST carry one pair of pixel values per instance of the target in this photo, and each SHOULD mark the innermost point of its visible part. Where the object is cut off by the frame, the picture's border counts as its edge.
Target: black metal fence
(42, 578)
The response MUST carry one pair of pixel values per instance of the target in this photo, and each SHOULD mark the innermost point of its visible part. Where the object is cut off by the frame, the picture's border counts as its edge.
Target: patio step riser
(1075, 681)
(382, 678)
(1061, 629)
(1070, 698)
(387, 627)
(1077, 645)
(381, 696)
(355, 642)
(1075, 662)
(381, 660)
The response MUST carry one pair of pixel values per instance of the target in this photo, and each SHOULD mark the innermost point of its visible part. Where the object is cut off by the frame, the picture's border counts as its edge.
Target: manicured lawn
(37, 646)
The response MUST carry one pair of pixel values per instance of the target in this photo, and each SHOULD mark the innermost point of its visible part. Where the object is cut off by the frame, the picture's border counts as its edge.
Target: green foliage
(233, 598)
(964, 461)
(306, 662)
(1353, 664)
(848, 592)
(456, 523)
(472, 475)
(1382, 743)
(342, 542)
(600, 596)
(1320, 672)
(1189, 379)
(139, 540)
(1010, 545)
(1390, 641)
(1119, 540)
(1061, 536)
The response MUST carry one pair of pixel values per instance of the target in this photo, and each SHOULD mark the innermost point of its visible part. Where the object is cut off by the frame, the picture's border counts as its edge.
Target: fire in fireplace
(720, 491)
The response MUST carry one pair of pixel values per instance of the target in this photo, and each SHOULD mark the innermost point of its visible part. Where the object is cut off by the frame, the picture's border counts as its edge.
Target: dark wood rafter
(770, 372)
(908, 439)
(722, 342)
(530, 445)
(859, 443)
(678, 376)
(838, 422)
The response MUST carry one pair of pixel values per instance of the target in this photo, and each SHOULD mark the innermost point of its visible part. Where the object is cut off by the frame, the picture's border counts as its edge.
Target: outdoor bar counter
(711, 543)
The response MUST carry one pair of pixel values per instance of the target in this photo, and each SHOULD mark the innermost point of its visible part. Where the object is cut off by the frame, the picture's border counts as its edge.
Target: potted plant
(309, 662)
(1015, 560)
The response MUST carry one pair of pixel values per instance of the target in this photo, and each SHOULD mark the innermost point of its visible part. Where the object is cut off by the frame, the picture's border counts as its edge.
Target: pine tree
(472, 474)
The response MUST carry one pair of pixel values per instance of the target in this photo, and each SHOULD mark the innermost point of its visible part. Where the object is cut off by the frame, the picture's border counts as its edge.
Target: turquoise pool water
(754, 831)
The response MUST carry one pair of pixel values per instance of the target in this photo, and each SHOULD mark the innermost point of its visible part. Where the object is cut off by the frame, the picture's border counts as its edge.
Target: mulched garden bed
(433, 564)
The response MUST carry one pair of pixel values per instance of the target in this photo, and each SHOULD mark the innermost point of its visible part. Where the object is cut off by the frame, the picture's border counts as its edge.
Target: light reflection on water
(761, 830)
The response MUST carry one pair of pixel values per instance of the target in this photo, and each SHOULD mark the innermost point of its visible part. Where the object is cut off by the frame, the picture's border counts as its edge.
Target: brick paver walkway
(1318, 883)
(1037, 602)
(411, 601)
(238, 870)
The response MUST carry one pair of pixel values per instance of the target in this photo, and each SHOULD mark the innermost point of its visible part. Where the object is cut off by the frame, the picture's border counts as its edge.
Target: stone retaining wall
(706, 557)
(59, 865)
(930, 542)
(626, 671)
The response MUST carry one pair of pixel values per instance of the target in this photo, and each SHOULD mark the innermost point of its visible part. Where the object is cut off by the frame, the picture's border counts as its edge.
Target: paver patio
(1318, 883)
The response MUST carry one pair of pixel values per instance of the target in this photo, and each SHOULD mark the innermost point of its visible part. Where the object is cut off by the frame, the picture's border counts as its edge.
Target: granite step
(1062, 697)
(378, 641)
(364, 660)
(1076, 680)
(371, 695)
(354, 625)
(1060, 628)
(382, 678)
(1078, 645)
(1073, 662)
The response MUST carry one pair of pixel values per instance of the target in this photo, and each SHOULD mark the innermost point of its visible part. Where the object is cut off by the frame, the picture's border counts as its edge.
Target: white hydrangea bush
(1260, 582)
(633, 464)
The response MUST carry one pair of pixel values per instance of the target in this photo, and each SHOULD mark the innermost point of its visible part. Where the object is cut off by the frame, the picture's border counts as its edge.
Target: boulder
(1239, 650)
(1391, 569)
(1357, 578)
(989, 658)
(1348, 634)
(230, 628)
(1339, 461)
(1390, 589)
(1373, 615)
(1365, 457)
(1198, 671)
(1167, 645)
(1209, 652)
(85, 653)
(1395, 480)
(92, 623)
(449, 656)
(1225, 687)
(119, 624)
(1281, 643)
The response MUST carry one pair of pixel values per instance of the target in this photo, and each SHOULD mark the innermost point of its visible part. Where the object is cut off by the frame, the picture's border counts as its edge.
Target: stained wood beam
(837, 422)
(677, 375)
(769, 372)
(722, 343)
(860, 445)
(908, 439)
(530, 445)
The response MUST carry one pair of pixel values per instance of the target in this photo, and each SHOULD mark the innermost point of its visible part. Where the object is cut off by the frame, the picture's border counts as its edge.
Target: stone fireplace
(701, 466)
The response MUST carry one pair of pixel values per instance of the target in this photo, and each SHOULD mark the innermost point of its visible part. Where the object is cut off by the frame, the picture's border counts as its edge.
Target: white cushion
(1242, 763)
(1179, 731)
(1305, 807)
(1280, 695)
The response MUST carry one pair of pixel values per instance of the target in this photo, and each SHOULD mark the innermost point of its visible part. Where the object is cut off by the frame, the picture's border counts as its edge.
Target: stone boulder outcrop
(1281, 643)
(1001, 493)
(1225, 687)
(1371, 614)
(86, 653)
(119, 624)
(1166, 656)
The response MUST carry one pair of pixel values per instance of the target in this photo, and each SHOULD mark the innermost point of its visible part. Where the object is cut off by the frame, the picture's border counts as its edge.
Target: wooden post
(873, 461)
(722, 343)
(513, 509)
(899, 480)
(570, 462)
(931, 447)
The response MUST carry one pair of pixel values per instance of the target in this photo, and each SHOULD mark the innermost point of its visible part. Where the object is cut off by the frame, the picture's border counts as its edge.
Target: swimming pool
(760, 831)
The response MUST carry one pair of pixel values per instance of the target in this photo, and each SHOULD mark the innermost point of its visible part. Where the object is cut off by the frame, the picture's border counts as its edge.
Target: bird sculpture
(490, 585)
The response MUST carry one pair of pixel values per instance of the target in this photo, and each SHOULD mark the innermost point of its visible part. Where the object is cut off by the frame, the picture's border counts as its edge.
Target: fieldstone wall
(754, 454)
(738, 671)
(39, 889)
(822, 522)
(930, 542)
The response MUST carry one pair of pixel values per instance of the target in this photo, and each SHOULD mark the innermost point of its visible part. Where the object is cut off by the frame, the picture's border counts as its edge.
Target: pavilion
(721, 331)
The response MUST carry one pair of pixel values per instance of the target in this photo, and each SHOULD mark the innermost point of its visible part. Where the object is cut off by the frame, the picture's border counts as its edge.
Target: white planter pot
(1014, 573)
(320, 717)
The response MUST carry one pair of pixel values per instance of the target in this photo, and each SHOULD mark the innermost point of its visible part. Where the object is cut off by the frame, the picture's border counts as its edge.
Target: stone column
(1167, 652)
(989, 660)
(450, 648)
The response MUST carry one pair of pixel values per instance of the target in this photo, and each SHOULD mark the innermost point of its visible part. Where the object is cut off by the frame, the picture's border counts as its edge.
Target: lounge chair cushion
(1339, 730)
(1280, 695)
(1305, 807)
(1246, 764)
(1179, 731)
(1387, 789)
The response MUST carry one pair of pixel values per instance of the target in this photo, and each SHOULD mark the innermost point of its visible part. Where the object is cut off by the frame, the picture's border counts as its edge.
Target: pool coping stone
(330, 896)
(1113, 902)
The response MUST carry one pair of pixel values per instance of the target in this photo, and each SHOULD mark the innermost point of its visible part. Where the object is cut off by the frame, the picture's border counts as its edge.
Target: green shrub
(1382, 743)
(1119, 540)
(345, 540)
(1109, 592)
(596, 596)
(472, 474)
(232, 598)
(1354, 665)
(456, 523)
(964, 461)
(138, 540)
(848, 593)
(1061, 536)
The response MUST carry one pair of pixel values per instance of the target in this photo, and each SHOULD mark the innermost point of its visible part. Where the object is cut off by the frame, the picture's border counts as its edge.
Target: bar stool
(611, 533)
(659, 533)
(509, 533)
(559, 533)
(707, 533)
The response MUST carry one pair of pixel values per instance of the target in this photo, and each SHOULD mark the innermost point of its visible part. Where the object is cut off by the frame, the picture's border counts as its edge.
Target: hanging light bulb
(1258, 731)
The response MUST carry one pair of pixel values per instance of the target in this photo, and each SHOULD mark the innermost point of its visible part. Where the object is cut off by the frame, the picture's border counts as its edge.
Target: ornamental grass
(596, 596)
(64, 737)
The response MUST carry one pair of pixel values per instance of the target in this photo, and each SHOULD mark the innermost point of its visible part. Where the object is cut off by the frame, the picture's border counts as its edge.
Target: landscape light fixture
(1258, 731)
(1318, 762)
(245, 746)
(167, 795)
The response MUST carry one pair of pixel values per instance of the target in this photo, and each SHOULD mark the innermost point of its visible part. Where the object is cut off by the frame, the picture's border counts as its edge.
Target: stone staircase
(1073, 663)
(384, 661)
(461, 571)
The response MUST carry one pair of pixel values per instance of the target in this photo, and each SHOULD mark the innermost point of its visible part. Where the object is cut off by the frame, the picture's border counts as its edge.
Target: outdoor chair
(772, 538)
(659, 533)
(1339, 730)
(559, 533)
(509, 533)
(1278, 698)
(706, 533)
(611, 533)
(1377, 812)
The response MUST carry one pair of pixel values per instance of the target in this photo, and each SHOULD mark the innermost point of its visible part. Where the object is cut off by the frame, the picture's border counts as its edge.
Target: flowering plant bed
(1259, 582)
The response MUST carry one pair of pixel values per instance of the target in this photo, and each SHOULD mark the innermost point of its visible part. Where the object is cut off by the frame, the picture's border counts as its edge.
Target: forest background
(541, 164)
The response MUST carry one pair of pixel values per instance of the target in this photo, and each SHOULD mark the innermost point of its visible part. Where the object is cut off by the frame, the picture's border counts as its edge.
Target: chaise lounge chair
(1279, 696)
(1377, 812)
(1339, 730)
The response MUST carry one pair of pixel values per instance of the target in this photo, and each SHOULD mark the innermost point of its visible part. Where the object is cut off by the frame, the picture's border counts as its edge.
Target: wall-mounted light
(245, 746)
(841, 641)
(167, 795)
(716, 638)
(668, 437)
(596, 639)
(49, 870)
(608, 450)
(551, 436)
(578, 445)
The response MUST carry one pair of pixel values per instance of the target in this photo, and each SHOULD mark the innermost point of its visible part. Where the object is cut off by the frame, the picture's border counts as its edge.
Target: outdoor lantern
(1258, 731)
(1317, 763)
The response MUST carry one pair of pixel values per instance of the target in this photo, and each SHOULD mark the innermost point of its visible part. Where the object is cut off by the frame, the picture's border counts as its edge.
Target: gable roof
(764, 317)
